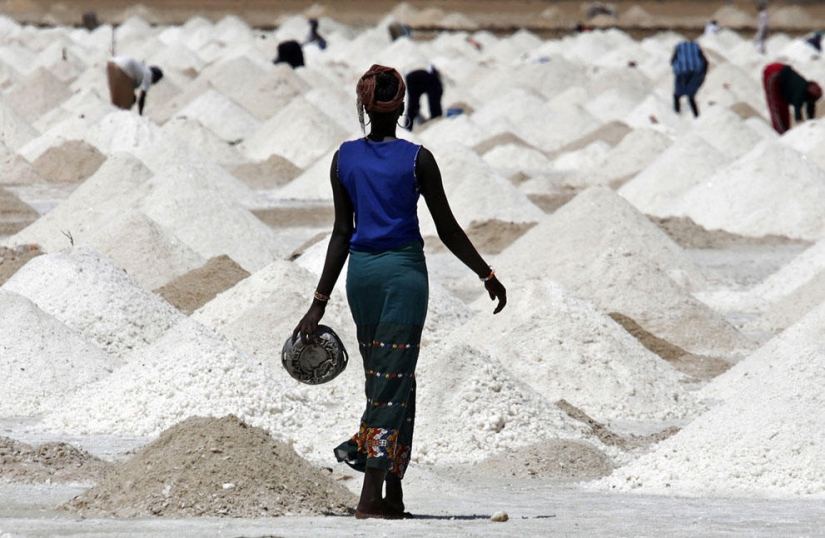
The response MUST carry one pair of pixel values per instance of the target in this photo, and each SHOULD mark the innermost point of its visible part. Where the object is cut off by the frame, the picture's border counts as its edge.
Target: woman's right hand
(309, 323)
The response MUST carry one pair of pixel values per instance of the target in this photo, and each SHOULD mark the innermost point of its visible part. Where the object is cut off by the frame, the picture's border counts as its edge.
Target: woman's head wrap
(814, 90)
(365, 89)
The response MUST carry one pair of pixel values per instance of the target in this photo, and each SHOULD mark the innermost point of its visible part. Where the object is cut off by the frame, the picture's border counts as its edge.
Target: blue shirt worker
(689, 68)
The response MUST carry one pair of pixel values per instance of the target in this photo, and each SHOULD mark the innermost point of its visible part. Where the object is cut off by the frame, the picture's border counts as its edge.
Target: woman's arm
(449, 231)
(337, 252)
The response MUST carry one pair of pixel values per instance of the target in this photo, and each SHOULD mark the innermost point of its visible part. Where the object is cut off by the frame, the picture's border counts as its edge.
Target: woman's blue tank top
(380, 180)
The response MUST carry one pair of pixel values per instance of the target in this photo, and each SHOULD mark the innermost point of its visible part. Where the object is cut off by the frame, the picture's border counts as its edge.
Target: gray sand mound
(49, 462)
(214, 467)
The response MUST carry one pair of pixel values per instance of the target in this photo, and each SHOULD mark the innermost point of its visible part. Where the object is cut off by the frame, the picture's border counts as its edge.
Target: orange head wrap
(365, 89)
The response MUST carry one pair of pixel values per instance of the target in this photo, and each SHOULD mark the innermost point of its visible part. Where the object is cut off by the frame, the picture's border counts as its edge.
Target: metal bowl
(318, 362)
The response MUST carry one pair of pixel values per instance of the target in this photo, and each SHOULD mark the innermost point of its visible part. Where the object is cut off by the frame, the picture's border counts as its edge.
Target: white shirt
(137, 71)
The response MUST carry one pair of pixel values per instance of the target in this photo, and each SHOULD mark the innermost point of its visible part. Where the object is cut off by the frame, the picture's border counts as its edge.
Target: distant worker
(689, 69)
(314, 36)
(420, 82)
(712, 28)
(761, 27)
(397, 30)
(125, 75)
(290, 52)
(784, 88)
(815, 40)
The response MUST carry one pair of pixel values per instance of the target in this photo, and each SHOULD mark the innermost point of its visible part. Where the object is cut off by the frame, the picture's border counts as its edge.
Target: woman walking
(376, 182)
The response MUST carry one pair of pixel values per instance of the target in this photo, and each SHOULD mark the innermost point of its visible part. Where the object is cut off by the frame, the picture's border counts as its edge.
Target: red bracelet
(488, 277)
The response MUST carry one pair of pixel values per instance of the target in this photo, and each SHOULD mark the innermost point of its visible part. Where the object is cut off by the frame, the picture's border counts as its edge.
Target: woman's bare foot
(395, 496)
(377, 510)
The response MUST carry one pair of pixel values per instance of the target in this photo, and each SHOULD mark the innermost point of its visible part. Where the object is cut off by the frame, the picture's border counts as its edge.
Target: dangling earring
(407, 122)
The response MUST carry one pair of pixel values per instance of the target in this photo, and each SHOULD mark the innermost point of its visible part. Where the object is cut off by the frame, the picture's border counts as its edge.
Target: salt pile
(569, 350)
(635, 151)
(305, 122)
(96, 298)
(111, 188)
(765, 439)
(187, 372)
(770, 190)
(42, 359)
(656, 189)
(486, 194)
(607, 252)
(469, 407)
(166, 255)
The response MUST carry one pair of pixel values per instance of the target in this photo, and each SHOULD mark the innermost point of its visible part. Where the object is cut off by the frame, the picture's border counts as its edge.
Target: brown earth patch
(11, 260)
(698, 367)
(687, 234)
(194, 289)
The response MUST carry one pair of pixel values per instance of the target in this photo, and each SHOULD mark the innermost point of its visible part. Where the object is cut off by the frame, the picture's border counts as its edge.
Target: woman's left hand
(496, 291)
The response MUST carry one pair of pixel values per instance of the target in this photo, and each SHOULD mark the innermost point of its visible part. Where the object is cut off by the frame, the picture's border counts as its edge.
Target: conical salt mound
(305, 122)
(91, 295)
(14, 130)
(468, 398)
(43, 359)
(726, 131)
(200, 207)
(771, 190)
(205, 141)
(111, 188)
(35, 95)
(486, 194)
(151, 255)
(656, 189)
(71, 162)
(764, 440)
(585, 357)
(190, 371)
(605, 251)
(259, 312)
(749, 374)
(218, 467)
(630, 156)
(221, 116)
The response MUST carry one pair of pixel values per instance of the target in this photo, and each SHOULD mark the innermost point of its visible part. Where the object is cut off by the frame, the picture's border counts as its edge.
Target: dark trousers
(422, 82)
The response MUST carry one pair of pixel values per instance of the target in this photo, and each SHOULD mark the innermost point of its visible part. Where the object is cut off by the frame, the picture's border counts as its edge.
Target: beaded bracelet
(321, 297)
(488, 277)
